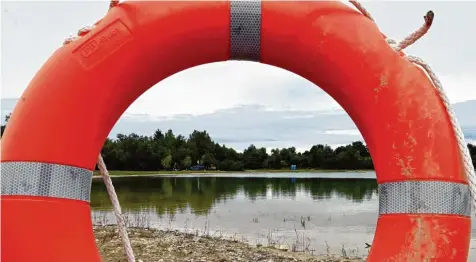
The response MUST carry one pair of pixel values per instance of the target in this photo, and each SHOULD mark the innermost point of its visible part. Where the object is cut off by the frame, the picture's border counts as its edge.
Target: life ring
(63, 118)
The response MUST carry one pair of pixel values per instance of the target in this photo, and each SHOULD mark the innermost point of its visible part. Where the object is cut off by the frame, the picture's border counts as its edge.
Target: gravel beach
(174, 246)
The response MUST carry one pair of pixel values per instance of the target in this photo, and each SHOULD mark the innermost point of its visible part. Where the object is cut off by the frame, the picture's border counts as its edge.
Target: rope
(462, 145)
(413, 37)
(117, 209)
(409, 40)
(85, 30)
(362, 9)
(113, 3)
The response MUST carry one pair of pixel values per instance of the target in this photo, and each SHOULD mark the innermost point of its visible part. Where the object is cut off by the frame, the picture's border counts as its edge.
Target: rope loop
(409, 40)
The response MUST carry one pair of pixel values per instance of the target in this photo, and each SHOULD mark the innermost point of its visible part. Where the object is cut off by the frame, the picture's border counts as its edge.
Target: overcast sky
(32, 30)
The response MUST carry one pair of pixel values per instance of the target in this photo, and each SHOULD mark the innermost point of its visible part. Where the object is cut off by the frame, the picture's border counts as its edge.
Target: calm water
(323, 212)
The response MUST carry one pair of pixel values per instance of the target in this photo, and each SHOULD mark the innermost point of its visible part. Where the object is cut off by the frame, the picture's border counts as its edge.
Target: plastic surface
(66, 118)
(43, 229)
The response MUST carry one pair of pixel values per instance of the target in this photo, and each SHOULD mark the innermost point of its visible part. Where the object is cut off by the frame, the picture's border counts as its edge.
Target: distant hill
(252, 124)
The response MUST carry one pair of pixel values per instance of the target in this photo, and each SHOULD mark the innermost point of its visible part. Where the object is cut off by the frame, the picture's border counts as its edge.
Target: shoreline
(120, 173)
(174, 246)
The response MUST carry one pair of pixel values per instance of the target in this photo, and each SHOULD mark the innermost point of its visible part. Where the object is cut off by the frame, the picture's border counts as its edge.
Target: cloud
(459, 87)
(211, 87)
(241, 126)
(254, 124)
(216, 86)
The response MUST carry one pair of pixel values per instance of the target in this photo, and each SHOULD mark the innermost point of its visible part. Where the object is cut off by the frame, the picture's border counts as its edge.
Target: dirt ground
(173, 246)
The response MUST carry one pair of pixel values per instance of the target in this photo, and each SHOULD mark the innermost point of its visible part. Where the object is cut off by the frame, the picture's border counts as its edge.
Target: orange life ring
(62, 119)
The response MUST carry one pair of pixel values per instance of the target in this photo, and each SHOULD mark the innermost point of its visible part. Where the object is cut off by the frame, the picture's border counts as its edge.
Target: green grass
(145, 173)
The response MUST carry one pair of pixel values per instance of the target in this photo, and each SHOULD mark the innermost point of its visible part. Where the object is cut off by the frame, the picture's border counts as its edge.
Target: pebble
(172, 246)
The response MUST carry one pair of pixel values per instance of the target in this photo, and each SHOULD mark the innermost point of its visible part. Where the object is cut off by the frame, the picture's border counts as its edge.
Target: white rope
(117, 209)
(462, 144)
(113, 3)
(362, 9)
(85, 30)
(412, 38)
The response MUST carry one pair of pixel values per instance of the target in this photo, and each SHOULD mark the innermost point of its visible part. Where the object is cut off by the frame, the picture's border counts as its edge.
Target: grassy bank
(174, 246)
(184, 172)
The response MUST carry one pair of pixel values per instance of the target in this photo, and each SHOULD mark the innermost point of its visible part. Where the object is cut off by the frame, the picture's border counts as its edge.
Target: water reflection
(200, 194)
(330, 214)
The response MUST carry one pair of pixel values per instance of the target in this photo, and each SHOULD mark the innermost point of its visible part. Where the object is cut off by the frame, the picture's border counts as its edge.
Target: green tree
(163, 150)
(253, 158)
(167, 162)
(208, 160)
(187, 162)
(274, 161)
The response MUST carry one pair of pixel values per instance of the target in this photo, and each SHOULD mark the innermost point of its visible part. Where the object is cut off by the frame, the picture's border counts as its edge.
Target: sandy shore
(173, 246)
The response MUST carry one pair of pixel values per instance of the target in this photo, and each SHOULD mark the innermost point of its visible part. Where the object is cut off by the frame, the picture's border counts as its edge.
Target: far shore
(121, 173)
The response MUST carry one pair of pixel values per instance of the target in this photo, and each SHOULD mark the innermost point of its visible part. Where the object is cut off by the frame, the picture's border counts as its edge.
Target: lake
(333, 212)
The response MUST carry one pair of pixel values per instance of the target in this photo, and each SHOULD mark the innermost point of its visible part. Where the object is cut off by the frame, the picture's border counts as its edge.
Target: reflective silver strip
(43, 179)
(424, 197)
(245, 30)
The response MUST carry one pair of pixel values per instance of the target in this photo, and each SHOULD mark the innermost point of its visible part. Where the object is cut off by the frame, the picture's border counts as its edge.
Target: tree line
(167, 151)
